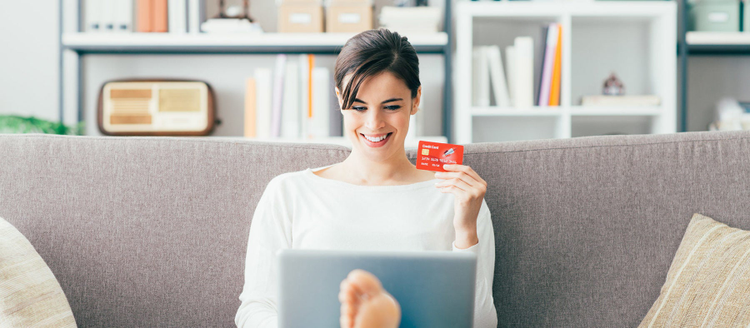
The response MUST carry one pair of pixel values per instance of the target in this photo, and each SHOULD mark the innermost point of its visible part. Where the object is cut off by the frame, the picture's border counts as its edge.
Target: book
(108, 15)
(263, 108)
(278, 95)
(523, 72)
(144, 20)
(538, 92)
(304, 96)
(290, 111)
(481, 86)
(548, 65)
(177, 12)
(323, 118)
(636, 101)
(510, 63)
(93, 12)
(124, 16)
(160, 16)
(250, 105)
(196, 15)
(310, 67)
(554, 93)
(497, 76)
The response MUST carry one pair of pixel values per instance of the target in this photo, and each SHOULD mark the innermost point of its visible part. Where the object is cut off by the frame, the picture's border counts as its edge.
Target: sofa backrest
(152, 232)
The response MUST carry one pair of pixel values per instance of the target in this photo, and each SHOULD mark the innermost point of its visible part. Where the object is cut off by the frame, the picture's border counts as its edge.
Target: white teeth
(376, 139)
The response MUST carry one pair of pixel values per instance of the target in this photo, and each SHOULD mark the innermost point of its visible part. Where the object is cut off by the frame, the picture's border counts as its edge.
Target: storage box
(300, 18)
(715, 16)
(348, 17)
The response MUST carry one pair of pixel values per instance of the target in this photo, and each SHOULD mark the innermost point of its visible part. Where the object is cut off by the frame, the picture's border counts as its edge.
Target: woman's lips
(376, 144)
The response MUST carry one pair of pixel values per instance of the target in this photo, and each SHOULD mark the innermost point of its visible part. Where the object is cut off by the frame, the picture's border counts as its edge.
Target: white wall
(29, 57)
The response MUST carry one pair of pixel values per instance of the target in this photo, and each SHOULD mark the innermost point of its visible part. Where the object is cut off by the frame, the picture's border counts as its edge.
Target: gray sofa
(151, 232)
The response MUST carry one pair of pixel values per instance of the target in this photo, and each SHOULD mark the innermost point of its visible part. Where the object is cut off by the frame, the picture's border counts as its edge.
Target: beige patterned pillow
(708, 283)
(30, 296)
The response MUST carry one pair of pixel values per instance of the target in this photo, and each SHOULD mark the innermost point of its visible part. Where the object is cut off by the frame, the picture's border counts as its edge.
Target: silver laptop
(434, 288)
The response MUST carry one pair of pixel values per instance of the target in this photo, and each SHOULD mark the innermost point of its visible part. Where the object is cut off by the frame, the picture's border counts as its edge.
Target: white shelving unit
(75, 44)
(634, 39)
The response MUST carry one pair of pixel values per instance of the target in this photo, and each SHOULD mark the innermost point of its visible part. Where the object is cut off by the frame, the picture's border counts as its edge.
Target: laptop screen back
(434, 288)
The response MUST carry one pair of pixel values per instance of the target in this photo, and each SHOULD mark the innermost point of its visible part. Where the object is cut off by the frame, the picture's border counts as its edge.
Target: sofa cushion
(709, 279)
(30, 296)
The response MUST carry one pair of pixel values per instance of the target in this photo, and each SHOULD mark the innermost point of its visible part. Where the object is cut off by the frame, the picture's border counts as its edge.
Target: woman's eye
(359, 108)
(395, 107)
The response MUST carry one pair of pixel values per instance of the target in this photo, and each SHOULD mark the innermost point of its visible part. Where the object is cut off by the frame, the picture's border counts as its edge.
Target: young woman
(374, 200)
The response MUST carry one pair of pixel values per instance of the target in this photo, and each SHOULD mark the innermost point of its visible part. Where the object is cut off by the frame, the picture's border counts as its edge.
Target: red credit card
(433, 155)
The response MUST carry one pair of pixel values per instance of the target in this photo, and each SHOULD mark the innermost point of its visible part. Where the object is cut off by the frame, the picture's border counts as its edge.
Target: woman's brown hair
(370, 53)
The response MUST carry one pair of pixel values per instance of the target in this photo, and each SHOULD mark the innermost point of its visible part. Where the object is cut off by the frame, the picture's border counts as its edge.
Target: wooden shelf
(327, 43)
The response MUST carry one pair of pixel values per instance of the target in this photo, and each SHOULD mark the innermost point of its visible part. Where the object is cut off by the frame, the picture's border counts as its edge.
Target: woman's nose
(374, 121)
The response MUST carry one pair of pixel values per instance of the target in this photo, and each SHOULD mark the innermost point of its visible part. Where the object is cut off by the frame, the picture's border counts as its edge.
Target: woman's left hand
(469, 189)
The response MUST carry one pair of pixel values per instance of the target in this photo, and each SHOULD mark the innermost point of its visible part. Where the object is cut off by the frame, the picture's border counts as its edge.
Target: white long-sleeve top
(302, 210)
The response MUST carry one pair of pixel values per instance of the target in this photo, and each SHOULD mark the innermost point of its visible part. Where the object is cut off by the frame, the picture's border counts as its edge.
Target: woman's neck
(362, 171)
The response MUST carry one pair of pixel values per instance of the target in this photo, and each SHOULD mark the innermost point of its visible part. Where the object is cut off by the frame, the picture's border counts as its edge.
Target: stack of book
(517, 90)
(292, 100)
(174, 16)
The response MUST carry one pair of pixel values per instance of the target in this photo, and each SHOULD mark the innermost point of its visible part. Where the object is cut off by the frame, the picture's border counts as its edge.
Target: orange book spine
(145, 16)
(250, 104)
(160, 13)
(554, 93)
(310, 66)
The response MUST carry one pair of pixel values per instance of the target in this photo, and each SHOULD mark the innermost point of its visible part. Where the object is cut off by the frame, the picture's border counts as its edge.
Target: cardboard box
(300, 18)
(348, 17)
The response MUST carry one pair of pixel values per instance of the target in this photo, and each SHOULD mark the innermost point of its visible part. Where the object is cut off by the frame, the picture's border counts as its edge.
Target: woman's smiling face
(378, 120)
